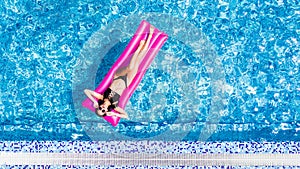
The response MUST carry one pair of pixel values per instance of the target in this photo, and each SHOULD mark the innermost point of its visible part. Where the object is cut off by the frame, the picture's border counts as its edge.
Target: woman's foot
(151, 29)
(145, 43)
(142, 42)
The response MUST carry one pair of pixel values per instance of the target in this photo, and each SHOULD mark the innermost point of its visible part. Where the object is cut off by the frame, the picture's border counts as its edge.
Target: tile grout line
(9, 158)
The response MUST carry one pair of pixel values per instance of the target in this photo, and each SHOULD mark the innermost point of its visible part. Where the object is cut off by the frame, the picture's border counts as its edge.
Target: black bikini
(113, 96)
(124, 78)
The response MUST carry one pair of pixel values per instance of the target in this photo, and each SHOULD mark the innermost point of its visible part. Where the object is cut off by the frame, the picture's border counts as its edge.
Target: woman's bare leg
(138, 56)
(124, 70)
(142, 49)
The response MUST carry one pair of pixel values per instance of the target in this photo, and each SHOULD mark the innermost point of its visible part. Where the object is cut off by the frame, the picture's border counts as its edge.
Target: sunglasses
(103, 110)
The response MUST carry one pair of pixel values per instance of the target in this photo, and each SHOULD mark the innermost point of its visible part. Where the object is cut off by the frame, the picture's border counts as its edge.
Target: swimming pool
(228, 72)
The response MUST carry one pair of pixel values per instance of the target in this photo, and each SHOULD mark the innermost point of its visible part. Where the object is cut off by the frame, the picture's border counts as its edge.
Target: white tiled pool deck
(149, 153)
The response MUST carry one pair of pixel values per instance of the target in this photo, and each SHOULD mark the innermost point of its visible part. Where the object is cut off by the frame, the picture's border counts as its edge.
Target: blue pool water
(229, 70)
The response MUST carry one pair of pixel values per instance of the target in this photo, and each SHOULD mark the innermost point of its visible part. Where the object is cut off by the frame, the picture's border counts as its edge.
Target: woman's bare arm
(122, 112)
(92, 95)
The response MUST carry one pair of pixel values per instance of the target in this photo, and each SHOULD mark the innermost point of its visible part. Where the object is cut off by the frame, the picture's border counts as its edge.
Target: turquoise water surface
(229, 70)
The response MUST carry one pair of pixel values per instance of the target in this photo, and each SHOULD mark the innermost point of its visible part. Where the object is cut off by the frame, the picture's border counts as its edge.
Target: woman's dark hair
(111, 107)
(100, 102)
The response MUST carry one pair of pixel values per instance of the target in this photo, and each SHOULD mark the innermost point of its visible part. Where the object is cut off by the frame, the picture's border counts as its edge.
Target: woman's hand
(96, 105)
(117, 115)
(122, 112)
(111, 113)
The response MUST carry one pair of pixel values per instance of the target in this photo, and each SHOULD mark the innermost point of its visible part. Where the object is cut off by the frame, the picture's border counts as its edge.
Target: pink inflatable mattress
(156, 43)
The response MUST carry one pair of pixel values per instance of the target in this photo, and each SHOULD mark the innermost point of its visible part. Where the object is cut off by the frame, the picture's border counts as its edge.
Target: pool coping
(157, 153)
